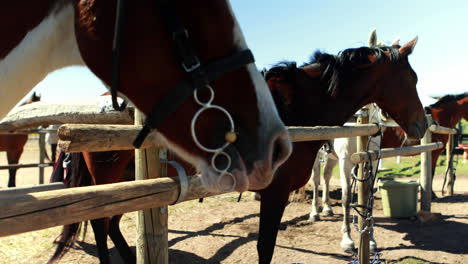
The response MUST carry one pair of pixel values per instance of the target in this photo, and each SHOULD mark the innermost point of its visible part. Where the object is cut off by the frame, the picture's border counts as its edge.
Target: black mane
(337, 68)
(285, 69)
(447, 99)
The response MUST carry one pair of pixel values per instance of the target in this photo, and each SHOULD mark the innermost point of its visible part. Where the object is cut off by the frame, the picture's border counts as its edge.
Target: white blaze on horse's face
(48, 46)
(270, 123)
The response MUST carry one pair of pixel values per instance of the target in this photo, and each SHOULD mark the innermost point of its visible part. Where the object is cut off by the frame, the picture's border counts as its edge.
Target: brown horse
(327, 84)
(14, 144)
(328, 92)
(447, 111)
(161, 52)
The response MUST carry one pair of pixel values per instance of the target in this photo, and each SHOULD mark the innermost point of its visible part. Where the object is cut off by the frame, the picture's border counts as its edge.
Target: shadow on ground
(443, 235)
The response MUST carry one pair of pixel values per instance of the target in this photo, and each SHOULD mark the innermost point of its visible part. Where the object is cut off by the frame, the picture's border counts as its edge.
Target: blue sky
(293, 30)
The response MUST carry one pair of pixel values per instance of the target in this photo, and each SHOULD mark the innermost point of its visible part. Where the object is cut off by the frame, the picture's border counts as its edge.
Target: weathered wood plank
(442, 130)
(29, 212)
(24, 190)
(44, 114)
(77, 138)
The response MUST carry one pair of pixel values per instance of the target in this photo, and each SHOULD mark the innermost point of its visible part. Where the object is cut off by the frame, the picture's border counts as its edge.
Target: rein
(198, 77)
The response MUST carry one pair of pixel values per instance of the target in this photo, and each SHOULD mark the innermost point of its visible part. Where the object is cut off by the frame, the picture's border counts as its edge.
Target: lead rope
(116, 48)
(371, 176)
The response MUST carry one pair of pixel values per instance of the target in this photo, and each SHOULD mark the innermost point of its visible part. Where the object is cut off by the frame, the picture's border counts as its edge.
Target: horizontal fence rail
(83, 137)
(299, 134)
(442, 130)
(34, 211)
(360, 157)
(43, 114)
(32, 165)
(32, 189)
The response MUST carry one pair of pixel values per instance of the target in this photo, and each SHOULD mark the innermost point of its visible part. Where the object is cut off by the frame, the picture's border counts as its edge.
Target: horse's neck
(49, 46)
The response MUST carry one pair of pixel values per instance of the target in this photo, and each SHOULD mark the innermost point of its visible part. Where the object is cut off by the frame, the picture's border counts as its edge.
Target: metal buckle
(193, 67)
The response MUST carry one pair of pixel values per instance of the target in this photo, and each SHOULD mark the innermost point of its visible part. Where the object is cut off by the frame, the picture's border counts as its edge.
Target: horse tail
(74, 173)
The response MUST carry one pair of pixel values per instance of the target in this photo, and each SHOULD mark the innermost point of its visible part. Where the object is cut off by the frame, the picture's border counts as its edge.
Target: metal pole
(363, 196)
(41, 157)
(426, 171)
(152, 230)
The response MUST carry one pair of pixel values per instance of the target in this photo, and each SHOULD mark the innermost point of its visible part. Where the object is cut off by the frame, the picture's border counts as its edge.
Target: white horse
(344, 147)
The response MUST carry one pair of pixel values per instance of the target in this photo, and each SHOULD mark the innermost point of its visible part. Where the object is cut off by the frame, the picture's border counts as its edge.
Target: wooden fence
(33, 211)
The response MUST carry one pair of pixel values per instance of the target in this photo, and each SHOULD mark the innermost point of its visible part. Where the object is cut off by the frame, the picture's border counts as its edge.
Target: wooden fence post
(41, 157)
(152, 245)
(450, 175)
(363, 195)
(426, 171)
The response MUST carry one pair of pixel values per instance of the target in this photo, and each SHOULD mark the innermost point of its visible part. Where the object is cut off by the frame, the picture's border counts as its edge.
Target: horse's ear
(373, 38)
(313, 70)
(408, 48)
(396, 41)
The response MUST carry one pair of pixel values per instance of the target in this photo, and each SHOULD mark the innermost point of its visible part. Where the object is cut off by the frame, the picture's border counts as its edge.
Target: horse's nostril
(281, 150)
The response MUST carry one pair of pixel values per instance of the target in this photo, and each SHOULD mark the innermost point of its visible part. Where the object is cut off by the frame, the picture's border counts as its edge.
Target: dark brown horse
(328, 92)
(14, 144)
(169, 52)
(447, 111)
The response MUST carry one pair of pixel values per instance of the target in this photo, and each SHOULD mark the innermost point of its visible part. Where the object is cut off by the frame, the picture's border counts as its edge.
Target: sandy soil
(220, 230)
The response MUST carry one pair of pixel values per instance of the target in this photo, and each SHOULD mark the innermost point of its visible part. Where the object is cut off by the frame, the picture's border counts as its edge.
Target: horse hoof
(256, 196)
(314, 218)
(348, 247)
(327, 213)
(372, 247)
(349, 250)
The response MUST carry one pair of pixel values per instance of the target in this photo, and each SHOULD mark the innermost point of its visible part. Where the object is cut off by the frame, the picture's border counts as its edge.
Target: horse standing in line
(344, 148)
(159, 55)
(447, 111)
(14, 144)
(328, 92)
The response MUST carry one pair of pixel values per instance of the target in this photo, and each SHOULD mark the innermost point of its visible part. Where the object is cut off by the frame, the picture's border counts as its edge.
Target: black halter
(199, 75)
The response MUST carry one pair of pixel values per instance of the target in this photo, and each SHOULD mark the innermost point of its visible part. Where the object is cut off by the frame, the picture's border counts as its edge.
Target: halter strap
(178, 95)
(198, 76)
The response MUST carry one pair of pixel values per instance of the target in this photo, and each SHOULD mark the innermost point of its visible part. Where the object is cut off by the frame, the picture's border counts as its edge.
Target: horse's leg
(347, 243)
(100, 228)
(119, 241)
(372, 242)
(53, 150)
(13, 157)
(327, 174)
(314, 214)
(275, 197)
(435, 156)
(273, 202)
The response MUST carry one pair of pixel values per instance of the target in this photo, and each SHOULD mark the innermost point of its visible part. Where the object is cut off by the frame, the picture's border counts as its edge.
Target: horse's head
(394, 88)
(154, 62)
(449, 109)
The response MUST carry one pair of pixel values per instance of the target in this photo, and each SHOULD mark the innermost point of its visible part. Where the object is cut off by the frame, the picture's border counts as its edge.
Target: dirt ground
(220, 230)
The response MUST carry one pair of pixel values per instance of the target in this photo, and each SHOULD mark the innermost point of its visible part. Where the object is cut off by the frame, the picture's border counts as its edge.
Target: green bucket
(399, 198)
